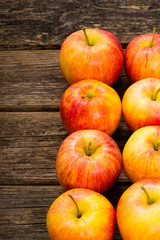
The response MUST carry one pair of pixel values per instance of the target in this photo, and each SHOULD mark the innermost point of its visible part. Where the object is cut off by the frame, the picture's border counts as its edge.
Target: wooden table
(31, 86)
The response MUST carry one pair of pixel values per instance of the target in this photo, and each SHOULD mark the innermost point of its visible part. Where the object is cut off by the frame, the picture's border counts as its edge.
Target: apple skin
(90, 104)
(88, 159)
(136, 218)
(97, 219)
(141, 60)
(103, 61)
(141, 154)
(138, 107)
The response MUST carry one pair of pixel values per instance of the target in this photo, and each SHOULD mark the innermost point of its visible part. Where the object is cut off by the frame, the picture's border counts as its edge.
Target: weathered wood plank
(29, 145)
(45, 24)
(31, 124)
(23, 210)
(32, 81)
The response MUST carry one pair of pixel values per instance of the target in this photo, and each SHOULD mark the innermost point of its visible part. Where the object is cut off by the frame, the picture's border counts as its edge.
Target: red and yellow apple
(81, 214)
(88, 159)
(138, 211)
(141, 104)
(141, 154)
(90, 104)
(142, 57)
(92, 53)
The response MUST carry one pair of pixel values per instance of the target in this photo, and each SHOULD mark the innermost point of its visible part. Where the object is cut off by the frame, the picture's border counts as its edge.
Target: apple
(91, 54)
(88, 159)
(141, 104)
(138, 211)
(142, 57)
(90, 104)
(81, 214)
(141, 154)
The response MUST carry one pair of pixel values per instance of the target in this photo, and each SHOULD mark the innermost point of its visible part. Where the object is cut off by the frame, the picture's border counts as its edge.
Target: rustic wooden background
(31, 86)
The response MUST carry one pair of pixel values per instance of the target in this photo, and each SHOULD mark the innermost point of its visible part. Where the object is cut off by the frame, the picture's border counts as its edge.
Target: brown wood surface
(31, 133)
(29, 146)
(23, 210)
(31, 86)
(45, 24)
(32, 81)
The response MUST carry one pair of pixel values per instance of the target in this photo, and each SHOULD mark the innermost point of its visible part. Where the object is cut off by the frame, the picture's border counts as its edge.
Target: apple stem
(150, 201)
(155, 95)
(154, 31)
(89, 144)
(78, 212)
(157, 147)
(87, 39)
(89, 150)
(87, 96)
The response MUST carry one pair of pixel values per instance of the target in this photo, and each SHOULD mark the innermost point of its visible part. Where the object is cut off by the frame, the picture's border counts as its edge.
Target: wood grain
(29, 146)
(32, 81)
(30, 143)
(45, 24)
(23, 210)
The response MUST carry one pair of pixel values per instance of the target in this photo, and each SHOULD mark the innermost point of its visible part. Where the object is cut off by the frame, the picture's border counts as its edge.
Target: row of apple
(89, 160)
(98, 54)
